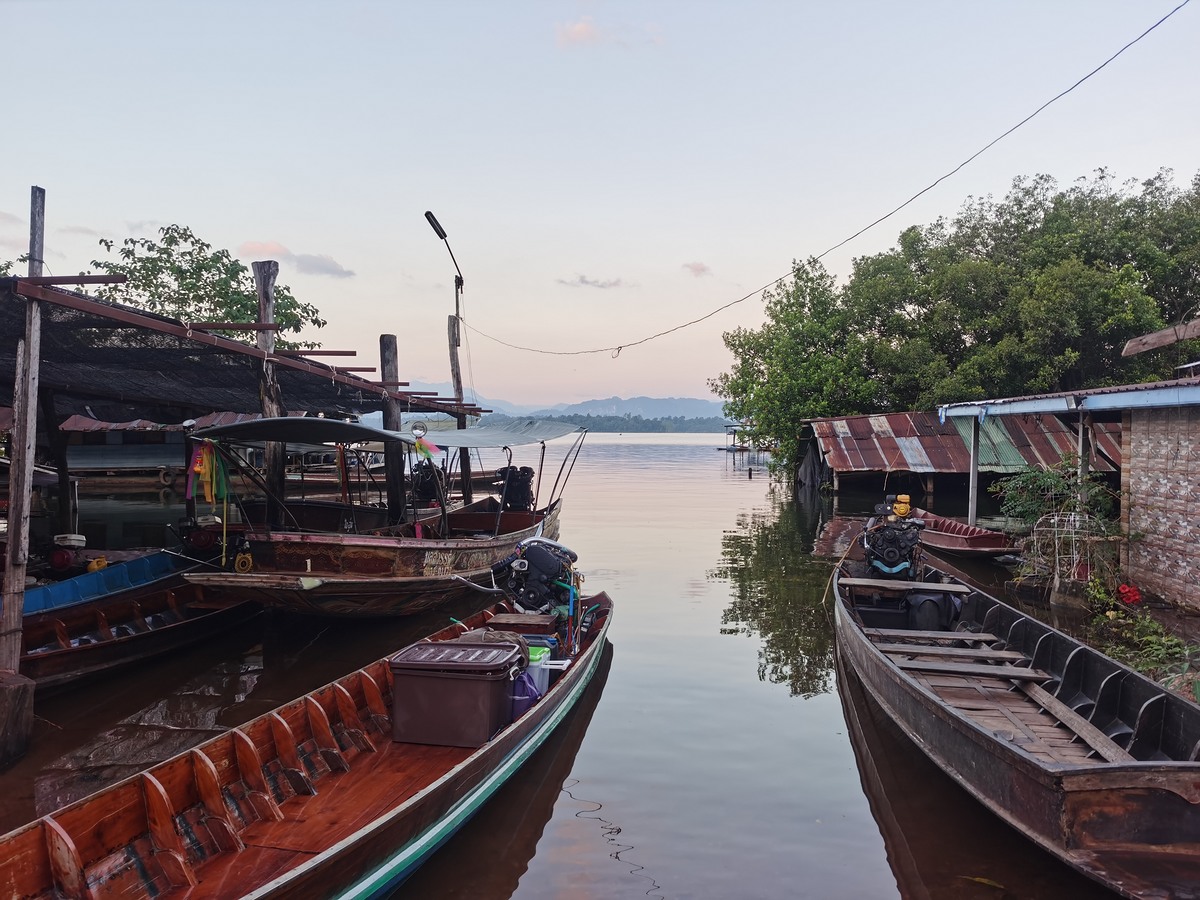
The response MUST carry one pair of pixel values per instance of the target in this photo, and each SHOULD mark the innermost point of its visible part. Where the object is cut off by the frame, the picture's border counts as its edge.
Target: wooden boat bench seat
(887, 584)
(976, 636)
(982, 670)
(965, 653)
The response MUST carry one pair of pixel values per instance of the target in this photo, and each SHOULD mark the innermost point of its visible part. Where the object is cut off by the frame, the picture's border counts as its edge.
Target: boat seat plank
(976, 669)
(887, 584)
(1089, 733)
(883, 633)
(961, 652)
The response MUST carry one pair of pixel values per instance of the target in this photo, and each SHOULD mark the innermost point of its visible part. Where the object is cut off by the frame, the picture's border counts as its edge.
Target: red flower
(1129, 594)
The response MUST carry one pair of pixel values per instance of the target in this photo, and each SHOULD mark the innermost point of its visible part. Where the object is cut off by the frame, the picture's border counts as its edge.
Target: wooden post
(269, 395)
(16, 691)
(973, 475)
(1083, 449)
(393, 451)
(464, 455)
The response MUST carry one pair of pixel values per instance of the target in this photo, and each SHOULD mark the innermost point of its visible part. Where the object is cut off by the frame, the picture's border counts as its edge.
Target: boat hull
(314, 799)
(356, 575)
(1133, 824)
(943, 535)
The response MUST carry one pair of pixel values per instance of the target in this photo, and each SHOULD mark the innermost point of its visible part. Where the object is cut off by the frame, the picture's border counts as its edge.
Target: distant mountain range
(646, 407)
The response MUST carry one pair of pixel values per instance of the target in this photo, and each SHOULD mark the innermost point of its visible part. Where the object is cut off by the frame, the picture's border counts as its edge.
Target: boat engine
(539, 575)
(892, 541)
(515, 486)
(428, 481)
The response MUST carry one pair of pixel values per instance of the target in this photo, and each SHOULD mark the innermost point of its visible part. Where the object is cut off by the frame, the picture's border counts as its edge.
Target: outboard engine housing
(515, 486)
(892, 541)
(538, 574)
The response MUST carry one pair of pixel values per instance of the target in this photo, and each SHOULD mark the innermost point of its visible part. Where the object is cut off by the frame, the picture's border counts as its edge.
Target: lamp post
(455, 342)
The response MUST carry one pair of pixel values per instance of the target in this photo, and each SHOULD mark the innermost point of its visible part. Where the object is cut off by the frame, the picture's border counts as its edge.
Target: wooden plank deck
(1003, 699)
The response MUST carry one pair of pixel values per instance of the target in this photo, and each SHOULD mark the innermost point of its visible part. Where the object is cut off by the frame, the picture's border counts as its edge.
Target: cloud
(10, 219)
(577, 33)
(144, 226)
(305, 263)
(312, 264)
(14, 244)
(698, 269)
(264, 250)
(584, 281)
(80, 229)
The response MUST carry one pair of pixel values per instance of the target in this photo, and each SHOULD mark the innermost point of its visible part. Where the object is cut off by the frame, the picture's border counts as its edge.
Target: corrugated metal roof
(919, 442)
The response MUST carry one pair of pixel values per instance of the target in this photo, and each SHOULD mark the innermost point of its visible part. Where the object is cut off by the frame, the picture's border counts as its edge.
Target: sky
(604, 171)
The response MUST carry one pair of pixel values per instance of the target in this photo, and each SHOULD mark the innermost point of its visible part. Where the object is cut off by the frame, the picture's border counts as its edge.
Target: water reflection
(940, 841)
(778, 589)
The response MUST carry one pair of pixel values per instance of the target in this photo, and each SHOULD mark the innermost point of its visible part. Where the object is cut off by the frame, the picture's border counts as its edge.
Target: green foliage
(184, 277)
(1035, 492)
(1037, 292)
(1135, 637)
(806, 361)
(6, 267)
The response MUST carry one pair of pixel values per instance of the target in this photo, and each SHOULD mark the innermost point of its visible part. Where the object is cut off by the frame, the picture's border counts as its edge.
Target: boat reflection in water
(940, 842)
(503, 836)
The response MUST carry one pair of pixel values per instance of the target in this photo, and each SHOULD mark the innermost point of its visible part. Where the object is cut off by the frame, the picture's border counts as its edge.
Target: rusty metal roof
(918, 442)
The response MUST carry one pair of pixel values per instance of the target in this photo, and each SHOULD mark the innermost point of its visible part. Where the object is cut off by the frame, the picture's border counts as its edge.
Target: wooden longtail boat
(384, 570)
(944, 535)
(117, 616)
(1089, 759)
(314, 799)
(938, 840)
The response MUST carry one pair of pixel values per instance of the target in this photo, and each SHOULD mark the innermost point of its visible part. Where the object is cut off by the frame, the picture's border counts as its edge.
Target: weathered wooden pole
(973, 475)
(464, 455)
(393, 451)
(269, 395)
(16, 691)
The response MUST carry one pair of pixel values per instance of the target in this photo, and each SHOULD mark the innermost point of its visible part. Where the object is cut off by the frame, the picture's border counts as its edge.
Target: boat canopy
(313, 431)
(510, 434)
(301, 430)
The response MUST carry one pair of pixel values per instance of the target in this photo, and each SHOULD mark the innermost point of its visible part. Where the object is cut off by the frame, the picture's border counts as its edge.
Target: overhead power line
(616, 350)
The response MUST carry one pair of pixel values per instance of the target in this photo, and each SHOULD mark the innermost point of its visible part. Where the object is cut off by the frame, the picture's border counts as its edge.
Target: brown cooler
(453, 694)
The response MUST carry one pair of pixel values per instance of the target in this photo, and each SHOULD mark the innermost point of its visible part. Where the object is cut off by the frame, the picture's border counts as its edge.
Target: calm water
(712, 759)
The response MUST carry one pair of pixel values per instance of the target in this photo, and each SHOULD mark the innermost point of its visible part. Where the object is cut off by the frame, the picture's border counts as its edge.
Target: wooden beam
(391, 383)
(977, 670)
(1166, 337)
(316, 353)
(1088, 733)
(888, 585)
(74, 279)
(355, 368)
(234, 326)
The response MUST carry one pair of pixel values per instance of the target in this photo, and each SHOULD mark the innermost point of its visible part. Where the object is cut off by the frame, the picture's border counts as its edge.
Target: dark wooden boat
(1089, 759)
(85, 642)
(939, 841)
(314, 799)
(391, 574)
(117, 616)
(380, 569)
(944, 535)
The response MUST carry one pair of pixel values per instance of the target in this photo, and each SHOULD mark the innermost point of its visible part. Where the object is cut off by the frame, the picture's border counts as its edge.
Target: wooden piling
(269, 395)
(16, 691)
(393, 451)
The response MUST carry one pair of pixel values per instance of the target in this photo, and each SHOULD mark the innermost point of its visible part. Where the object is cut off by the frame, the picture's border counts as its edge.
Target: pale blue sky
(604, 170)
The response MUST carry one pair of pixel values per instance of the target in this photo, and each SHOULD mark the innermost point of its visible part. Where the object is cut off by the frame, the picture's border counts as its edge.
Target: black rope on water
(609, 831)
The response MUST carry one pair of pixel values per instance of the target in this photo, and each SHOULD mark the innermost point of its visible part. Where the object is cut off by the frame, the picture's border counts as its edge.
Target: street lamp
(458, 279)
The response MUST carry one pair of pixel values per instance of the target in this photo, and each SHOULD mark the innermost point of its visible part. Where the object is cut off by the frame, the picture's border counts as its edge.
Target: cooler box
(452, 694)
